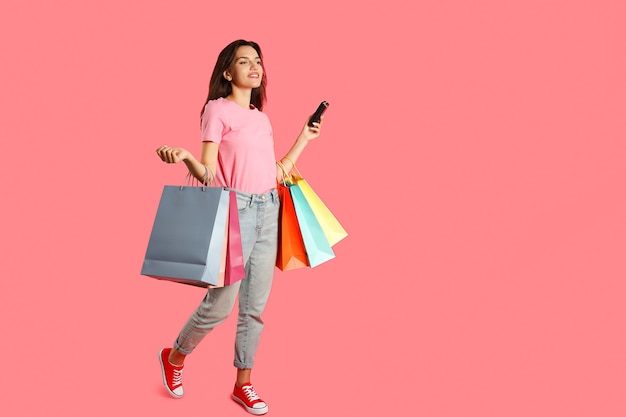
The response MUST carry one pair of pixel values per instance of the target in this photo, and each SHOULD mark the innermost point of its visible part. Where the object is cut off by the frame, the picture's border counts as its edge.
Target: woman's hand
(172, 155)
(309, 133)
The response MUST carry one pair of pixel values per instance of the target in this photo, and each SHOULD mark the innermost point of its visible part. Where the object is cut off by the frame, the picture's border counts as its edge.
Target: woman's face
(246, 70)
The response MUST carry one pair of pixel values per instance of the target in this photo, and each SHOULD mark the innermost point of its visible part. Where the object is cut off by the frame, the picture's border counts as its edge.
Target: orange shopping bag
(291, 251)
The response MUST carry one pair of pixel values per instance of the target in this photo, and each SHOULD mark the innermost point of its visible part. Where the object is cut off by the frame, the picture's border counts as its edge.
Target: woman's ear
(227, 76)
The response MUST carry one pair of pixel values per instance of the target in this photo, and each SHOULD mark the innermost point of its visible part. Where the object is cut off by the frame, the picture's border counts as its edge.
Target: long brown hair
(220, 87)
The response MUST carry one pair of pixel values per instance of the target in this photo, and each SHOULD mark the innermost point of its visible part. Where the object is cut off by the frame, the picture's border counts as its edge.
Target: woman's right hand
(171, 155)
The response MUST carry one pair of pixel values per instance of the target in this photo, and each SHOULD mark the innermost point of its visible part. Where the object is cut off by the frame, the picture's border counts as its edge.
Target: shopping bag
(333, 230)
(187, 239)
(317, 247)
(222, 270)
(291, 251)
(235, 270)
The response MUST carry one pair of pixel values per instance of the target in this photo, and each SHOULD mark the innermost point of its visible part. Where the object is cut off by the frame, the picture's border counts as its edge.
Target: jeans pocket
(243, 203)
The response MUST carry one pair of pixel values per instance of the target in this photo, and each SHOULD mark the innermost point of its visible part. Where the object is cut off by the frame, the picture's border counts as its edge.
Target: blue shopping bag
(333, 230)
(318, 248)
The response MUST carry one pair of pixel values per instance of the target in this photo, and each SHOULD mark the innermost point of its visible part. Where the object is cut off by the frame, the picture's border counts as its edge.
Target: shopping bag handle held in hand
(193, 181)
(290, 177)
(286, 178)
(296, 170)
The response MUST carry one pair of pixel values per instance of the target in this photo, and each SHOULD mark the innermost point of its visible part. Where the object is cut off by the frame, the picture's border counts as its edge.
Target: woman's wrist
(286, 163)
(301, 141)
(286, 158)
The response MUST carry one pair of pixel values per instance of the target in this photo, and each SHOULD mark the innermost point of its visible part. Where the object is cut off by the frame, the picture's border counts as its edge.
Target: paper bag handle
(193, 181)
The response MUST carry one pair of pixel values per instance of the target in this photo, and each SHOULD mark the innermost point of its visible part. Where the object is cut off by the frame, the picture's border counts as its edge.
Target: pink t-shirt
(246, 158)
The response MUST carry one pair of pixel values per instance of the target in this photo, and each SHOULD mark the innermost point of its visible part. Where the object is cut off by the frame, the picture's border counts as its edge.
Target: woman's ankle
(176, 358)
(243, 377)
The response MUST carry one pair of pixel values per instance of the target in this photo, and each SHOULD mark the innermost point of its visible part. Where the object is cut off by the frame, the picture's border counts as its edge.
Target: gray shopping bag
(187, 238)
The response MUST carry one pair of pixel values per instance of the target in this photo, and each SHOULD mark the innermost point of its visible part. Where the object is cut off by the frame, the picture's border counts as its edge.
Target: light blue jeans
(258, 218)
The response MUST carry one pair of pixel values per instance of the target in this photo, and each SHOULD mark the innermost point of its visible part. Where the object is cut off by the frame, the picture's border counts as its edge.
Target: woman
(238, 147)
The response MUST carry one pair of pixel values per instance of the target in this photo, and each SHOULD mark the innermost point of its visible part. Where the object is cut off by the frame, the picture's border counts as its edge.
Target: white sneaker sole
(255, 411)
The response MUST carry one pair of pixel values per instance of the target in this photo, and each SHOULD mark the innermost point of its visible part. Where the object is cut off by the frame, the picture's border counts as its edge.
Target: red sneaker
(247, 397)
(172, 374)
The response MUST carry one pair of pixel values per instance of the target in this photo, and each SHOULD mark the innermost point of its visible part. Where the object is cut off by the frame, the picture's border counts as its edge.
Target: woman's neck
(240, 96)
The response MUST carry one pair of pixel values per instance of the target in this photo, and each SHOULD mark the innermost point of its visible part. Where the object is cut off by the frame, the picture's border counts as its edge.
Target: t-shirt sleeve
(212, 124)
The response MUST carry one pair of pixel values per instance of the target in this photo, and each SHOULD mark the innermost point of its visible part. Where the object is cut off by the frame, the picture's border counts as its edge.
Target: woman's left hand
(307, 134)
(311, 132)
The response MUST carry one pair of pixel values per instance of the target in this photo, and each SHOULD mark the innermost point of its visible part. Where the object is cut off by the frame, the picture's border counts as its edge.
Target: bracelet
(292, 163)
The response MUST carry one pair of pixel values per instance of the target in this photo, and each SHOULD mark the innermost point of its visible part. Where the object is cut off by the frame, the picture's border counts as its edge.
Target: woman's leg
(255, 288)
(253, 294)
(212, 311)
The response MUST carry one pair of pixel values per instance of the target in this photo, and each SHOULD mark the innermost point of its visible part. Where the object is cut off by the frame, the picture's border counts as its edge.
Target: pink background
(473, 150)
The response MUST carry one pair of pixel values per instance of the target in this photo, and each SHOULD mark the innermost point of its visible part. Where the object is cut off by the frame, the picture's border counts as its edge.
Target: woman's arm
(208, 159)
(307, 134)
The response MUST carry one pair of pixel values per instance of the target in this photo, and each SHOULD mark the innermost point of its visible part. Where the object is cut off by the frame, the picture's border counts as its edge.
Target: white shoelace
(177, 379)
(250, 393)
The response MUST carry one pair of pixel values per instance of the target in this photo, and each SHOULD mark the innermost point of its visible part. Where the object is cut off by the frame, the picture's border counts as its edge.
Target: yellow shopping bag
(333, 230)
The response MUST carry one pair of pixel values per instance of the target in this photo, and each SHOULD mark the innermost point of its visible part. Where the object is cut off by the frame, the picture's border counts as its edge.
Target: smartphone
(318, 113)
